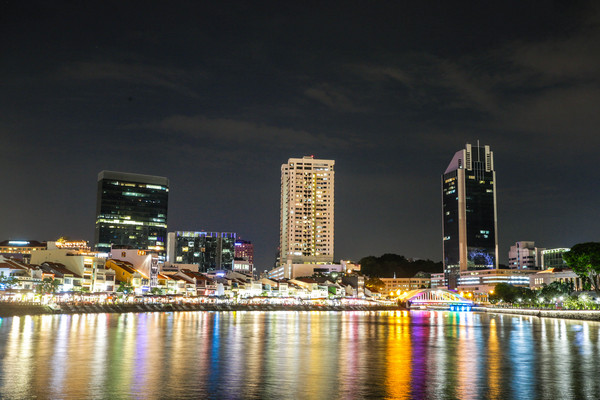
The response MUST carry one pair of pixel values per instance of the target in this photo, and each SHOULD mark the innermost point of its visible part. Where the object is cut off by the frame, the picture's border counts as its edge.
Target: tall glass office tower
(470, 236)
(131, 211)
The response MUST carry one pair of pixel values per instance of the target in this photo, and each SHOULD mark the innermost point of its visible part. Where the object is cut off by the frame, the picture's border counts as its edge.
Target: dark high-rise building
(131, 211)
(208, 250)
(470, 237)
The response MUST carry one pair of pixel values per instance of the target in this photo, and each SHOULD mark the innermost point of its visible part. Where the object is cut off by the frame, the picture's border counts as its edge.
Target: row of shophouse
(76, 269)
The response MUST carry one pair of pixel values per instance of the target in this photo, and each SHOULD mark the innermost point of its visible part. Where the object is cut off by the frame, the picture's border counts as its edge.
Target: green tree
(48, 286)
(125, 288)
(8, 281)
(375, 284)
(555, 289)
(584, 260)
(156, 290)
(389, 265)
(504, 292)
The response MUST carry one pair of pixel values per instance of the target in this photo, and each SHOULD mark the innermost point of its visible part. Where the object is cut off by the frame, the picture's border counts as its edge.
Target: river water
(298, 355)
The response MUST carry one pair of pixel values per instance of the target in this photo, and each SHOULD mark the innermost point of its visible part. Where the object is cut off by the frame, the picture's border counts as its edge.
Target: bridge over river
(435, 298)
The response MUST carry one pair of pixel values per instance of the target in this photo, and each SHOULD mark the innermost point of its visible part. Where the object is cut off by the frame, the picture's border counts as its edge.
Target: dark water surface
(304, 355)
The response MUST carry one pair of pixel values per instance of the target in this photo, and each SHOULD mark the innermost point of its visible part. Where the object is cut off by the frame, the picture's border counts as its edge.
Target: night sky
(217, 95)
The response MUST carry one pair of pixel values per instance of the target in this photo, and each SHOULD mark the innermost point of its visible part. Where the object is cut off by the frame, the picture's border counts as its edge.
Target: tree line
(388, 265)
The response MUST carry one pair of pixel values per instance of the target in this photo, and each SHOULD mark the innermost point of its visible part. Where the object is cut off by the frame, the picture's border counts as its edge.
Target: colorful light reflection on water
(311, 355)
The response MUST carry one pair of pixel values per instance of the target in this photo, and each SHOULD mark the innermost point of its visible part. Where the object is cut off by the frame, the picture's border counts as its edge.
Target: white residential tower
(307, 201)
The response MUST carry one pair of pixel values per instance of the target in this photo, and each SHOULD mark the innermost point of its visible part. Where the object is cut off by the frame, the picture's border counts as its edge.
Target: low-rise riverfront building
(28, 276)
(405, 284)
(483, 282)
(546, 277)
(82, 263)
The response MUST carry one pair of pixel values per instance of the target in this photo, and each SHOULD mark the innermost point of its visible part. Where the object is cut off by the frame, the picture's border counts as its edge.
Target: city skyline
(216, 97)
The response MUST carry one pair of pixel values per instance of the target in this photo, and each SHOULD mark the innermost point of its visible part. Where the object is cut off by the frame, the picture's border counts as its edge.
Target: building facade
(291, 271)
(208, 250)
(244, 255)
(470, 237)
(547, 276)
(21, 249)
(524, 255)
(307, 211)
(552, 258)
(83, 263)
(405, 284)
(131, 211)
(479, 284)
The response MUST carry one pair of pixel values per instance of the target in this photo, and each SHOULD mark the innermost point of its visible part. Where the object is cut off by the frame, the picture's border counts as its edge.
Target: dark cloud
(167, 77)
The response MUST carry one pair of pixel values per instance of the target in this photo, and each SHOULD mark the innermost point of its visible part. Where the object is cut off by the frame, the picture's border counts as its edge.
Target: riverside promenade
(20, 309)
(588, 315)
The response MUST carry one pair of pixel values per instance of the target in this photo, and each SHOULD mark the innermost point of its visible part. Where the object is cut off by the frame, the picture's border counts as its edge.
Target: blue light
(18, 242)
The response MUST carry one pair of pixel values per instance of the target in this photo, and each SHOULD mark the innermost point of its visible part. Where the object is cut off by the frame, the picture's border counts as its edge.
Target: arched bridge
(435, 298)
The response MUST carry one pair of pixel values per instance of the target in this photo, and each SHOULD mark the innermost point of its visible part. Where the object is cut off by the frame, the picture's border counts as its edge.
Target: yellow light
(491, 292)
(398, 292)
(391, 293)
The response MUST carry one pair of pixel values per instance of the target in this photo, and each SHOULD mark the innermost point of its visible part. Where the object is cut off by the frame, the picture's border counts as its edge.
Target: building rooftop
(131, 177)
(57, 269)
(22, 243)
(12, 264)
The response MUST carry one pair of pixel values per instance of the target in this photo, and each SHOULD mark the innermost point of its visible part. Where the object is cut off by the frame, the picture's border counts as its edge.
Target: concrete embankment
(17, 309)
(589, 315)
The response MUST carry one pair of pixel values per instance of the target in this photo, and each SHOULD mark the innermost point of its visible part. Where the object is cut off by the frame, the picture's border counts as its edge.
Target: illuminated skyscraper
(131, 211)
(470, 237)
(307, 200)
